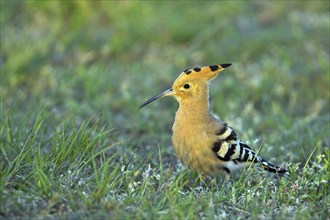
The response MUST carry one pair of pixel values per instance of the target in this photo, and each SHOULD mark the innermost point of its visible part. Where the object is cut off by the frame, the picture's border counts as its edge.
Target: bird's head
(191, 83)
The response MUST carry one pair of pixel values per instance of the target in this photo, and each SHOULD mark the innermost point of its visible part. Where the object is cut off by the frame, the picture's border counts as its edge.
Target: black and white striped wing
(229, 148)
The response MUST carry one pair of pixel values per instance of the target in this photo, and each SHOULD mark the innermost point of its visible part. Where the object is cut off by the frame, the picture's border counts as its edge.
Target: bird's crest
(208, 72)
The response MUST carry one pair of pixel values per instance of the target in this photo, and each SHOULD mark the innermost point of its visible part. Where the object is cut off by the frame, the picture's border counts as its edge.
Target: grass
(74, 144)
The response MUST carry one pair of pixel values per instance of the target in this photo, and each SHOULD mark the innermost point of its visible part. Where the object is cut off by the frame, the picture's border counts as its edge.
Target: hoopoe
(200, 140)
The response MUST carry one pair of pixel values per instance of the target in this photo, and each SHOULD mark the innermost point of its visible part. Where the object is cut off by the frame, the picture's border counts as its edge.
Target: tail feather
(249, 155)
(271, 167)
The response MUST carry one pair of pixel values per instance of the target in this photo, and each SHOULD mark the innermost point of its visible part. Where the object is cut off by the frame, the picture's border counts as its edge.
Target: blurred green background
(81, 58)
(72, 61)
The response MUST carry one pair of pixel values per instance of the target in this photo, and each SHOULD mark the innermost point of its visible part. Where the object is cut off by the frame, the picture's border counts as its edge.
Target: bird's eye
(186, 86)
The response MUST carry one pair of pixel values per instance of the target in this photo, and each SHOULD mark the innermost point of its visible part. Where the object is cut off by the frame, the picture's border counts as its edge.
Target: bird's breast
(192, 146)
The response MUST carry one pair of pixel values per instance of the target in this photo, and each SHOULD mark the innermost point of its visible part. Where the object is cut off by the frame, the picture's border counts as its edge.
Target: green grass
(75, 145)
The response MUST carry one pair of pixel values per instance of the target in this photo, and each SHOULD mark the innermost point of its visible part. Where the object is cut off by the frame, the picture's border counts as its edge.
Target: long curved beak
(165, 93)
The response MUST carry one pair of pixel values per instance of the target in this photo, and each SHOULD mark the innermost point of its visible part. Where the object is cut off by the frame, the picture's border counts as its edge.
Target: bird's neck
(194, 110)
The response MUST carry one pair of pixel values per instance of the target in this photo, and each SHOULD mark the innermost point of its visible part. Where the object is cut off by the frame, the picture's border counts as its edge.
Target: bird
(201, 141)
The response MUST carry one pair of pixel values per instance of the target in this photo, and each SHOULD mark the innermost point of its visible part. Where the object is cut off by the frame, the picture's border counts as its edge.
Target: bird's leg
(226, 182)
